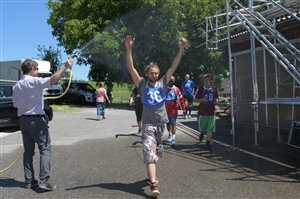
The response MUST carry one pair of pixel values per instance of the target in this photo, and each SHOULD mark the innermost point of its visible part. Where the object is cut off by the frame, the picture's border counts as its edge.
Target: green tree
(52, 55)
(96, 29)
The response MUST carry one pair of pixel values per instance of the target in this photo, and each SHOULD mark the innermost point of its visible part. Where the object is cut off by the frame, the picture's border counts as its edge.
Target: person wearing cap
(174, 99)
(207, 96)
(29, 100)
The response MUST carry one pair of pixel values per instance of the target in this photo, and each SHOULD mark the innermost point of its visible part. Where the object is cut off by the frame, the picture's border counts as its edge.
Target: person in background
(207, 96)
(188, 92)
(135, 99)
(29, 100)
(174, 99)
(154, 116)
(101, 99)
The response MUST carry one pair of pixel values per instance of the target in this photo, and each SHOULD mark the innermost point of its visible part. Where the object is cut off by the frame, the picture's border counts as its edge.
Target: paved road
(88, 161)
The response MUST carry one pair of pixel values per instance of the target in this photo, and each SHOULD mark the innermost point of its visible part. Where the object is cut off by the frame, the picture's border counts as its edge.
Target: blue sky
(23, 26)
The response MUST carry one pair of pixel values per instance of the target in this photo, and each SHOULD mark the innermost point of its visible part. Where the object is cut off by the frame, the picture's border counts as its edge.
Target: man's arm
(176, 60)
(129, 41)
(180, 100)
(57, 76)
(107, 98)
(131, 99)
(197, 98)
(217, 97)
(193, 91)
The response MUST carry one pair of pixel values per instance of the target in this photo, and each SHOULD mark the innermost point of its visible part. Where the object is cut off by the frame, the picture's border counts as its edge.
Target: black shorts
(188, 98)
(138, 107)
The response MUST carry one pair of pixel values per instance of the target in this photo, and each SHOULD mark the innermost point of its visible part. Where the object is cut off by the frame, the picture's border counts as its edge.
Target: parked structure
(262, 42)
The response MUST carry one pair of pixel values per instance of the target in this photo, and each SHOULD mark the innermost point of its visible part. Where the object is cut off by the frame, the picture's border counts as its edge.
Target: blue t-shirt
(153, 98)
(187, 87)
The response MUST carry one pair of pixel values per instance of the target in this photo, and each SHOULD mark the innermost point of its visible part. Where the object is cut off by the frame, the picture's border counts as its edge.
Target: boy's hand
(182, 42)
(129, 41)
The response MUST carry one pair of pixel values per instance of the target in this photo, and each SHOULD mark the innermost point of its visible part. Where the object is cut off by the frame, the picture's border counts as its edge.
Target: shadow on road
(269, 161)
(10, 182)
(136, 188)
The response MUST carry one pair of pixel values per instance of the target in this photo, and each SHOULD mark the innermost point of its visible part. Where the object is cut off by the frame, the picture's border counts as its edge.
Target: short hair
(152, 65)
(172, 79)
(101, 84)
(27, 65)
(206, 75)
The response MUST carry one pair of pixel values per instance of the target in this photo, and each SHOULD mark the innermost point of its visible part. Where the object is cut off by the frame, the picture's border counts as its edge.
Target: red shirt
(207, 107)
(173, 99)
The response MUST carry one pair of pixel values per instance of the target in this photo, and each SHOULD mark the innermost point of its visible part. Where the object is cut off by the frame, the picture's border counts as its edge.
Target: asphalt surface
(103, 159)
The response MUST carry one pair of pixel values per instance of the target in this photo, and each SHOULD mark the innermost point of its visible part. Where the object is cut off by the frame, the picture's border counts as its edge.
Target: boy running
(207, 96)
(173, 100)
(154, 114)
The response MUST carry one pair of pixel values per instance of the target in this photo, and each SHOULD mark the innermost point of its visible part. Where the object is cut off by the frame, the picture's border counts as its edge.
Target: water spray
(76, 54)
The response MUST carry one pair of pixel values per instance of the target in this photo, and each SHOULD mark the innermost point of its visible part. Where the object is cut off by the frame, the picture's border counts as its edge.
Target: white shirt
(28, 95)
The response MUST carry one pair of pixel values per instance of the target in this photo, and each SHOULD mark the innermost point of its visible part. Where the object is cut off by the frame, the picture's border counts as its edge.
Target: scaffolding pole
(231, 79)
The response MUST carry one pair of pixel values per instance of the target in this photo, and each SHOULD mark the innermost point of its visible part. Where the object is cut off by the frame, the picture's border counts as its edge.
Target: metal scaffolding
(259, 23)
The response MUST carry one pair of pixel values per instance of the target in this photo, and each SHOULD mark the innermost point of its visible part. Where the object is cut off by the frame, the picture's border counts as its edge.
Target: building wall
(266, 84)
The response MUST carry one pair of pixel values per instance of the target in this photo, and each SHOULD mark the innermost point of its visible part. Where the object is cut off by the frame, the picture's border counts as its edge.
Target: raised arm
(57, 76)
(129, 41)
(176, 60)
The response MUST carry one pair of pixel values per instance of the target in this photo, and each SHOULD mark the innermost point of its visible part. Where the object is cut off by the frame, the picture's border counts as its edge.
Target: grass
(121, 96)
(121, 93)
(65, 108)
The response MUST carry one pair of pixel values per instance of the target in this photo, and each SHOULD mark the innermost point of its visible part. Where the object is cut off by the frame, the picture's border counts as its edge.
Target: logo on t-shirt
(210, 96)
(154, 97)
(171, 96)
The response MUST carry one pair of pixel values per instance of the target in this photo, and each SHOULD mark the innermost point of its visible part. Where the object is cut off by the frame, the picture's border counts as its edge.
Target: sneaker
(201, 136)
(173, 143)
(170, 137)
(184, 117)
(98, 119)
(32, 184)
(139, 131)
(47, 187)
(154, 189)
(103, 117)
(207, 146)
(189, 116)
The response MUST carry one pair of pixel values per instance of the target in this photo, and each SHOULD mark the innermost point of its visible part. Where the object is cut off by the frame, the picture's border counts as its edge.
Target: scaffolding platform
(282, 100)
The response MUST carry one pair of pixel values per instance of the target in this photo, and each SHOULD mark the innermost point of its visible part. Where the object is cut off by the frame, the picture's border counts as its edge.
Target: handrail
(268, 45)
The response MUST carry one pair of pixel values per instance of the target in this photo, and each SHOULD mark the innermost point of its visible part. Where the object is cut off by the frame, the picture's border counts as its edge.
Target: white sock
(173, 136)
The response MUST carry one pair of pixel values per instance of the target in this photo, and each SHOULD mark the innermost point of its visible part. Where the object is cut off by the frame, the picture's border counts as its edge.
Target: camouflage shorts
(153, 142)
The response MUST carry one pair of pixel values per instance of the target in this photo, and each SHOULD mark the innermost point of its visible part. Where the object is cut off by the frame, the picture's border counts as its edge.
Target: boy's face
(187, 77)
(207, 81)
(171, 83)
(152, 74)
